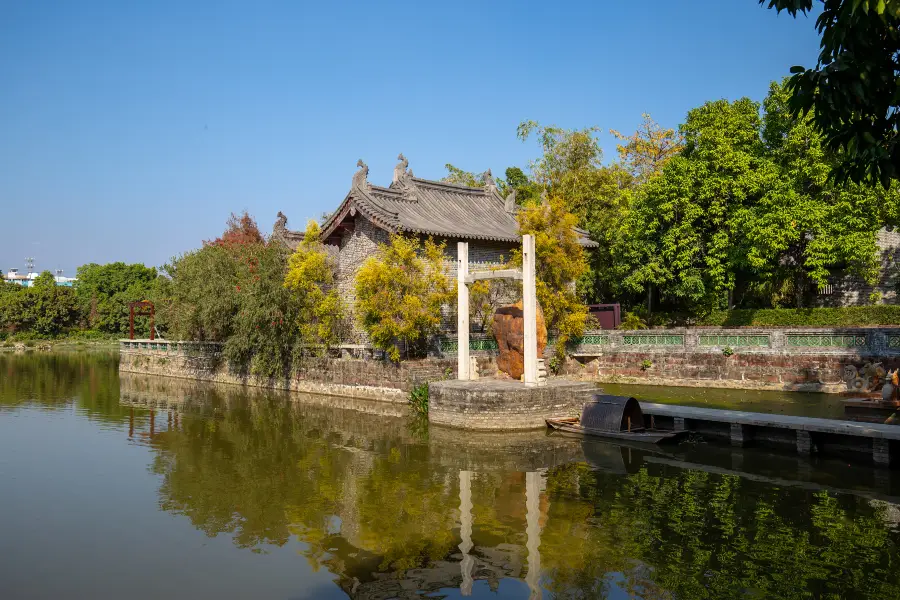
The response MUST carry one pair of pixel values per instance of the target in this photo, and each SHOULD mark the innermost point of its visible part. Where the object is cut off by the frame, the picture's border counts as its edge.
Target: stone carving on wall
(509, 330)
(872, 378)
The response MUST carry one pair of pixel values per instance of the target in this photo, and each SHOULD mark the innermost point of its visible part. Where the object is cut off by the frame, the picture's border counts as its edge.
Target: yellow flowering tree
(399, 295)
(310, 276)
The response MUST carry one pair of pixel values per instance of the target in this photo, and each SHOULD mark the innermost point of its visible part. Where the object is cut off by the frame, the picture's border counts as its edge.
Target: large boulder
(509, 330)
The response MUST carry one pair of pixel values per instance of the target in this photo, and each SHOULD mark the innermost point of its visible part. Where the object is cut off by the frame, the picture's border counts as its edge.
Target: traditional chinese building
(446, 212)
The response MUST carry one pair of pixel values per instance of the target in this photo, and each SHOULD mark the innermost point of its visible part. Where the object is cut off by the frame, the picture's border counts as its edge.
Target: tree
(852, 90)
(560, 264)
(647, 151)
(310, 277)
(240, 230)
(105, 291)
(677, 232)
(460, 177)
(400, 293)
(747, 210)
(44, 309)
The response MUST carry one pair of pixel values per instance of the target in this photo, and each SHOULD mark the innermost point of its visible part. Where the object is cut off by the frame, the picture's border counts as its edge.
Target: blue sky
(130, 131)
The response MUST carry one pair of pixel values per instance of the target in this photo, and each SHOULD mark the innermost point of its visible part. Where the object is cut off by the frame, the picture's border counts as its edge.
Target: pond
(141, 487)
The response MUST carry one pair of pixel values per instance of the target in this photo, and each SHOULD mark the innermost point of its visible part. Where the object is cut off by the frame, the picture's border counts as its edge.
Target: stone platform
(504, 404)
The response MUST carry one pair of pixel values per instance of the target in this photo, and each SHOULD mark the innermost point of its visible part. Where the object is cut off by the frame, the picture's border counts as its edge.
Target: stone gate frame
(529, 306)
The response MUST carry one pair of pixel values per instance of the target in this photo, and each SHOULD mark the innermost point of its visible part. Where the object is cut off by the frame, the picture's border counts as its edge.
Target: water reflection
(386, 511)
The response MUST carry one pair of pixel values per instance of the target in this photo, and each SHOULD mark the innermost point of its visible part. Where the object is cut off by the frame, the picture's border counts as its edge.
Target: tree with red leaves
(240, 231)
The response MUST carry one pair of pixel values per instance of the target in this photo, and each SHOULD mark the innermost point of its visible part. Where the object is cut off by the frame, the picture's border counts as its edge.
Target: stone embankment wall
(356, 378)
(749, 358)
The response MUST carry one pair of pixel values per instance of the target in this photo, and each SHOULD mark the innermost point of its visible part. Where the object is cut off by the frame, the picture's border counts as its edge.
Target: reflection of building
(473, 563)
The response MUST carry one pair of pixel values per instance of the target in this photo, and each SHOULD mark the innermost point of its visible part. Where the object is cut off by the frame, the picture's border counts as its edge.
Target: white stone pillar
(534, 485)
(465, 531)
(462, 310)
(529, 304)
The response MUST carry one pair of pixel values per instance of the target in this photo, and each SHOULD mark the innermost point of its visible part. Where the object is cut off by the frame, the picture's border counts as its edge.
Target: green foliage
(646, 364)
(647, 151)
(42, 310)
(632, 321)
(104, 292)
(264, 327)
(399, 295)
(747, 208)
(852, 90)
(727, 351)
(849, 316)
(232, 290)
(310, 278)
(560, 263)
(418, 399)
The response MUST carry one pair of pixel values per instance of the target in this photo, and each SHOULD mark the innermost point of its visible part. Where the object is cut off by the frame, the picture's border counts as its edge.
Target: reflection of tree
(53, 380)
(697, 535)
(380, 508)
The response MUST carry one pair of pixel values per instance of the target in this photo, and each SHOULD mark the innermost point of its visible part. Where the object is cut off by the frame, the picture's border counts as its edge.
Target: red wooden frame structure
(144, 308)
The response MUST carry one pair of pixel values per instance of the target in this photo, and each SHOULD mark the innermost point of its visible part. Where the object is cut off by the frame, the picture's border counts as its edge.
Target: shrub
(849, 316)
(310, 278)
(646, 364)
(418, 399)
(399, 295)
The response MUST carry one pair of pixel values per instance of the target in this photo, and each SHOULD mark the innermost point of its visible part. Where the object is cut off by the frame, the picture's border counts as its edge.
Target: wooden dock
(806, 435)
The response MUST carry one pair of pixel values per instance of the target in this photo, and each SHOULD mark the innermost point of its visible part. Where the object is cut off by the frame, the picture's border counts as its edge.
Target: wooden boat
(870, 410)
(614, 417)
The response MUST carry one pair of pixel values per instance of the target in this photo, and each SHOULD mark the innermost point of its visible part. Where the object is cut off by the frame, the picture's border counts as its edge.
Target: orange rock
(509, 330)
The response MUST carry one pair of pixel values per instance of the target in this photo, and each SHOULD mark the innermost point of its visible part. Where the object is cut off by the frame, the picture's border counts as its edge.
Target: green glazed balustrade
(816, 340)
(734, 341)
(451, 345)
(650, 339)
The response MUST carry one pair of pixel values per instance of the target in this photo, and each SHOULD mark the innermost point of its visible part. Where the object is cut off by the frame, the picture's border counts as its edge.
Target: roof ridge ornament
(360, 178)
(403, 179)
(509, 205)
(400, 170)
(489, 183)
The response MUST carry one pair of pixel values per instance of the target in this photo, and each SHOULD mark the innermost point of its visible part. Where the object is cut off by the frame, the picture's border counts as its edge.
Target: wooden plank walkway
(810, 433)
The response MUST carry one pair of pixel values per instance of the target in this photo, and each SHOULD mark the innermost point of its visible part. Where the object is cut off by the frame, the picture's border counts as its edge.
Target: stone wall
(781, 359)
(356, 378)
(849, 290)
(505, 405)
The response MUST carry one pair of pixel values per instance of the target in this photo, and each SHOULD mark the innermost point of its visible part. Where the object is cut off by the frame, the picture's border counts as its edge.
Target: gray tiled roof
(435, 208)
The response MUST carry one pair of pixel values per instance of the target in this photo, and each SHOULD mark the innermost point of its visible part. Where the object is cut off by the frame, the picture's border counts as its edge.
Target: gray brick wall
(848, 290)
(363, 241)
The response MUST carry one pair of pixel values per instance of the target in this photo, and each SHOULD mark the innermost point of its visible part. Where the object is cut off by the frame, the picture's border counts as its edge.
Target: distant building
(27, 280)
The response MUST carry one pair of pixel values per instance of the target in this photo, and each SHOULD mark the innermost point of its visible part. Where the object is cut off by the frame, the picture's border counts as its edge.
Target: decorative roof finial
(509, 205)
(400, 169)
(360, 178)
(489, 179)
(280, 223)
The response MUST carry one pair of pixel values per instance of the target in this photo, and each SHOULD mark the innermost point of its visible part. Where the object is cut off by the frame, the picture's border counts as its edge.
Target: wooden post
(462, 311)
(529, 303)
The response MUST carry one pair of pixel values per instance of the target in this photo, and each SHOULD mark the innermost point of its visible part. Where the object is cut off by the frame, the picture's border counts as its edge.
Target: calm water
(221, 493)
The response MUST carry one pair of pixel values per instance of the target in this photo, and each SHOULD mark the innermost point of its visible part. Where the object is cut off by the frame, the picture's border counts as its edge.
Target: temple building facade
(446, 212)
